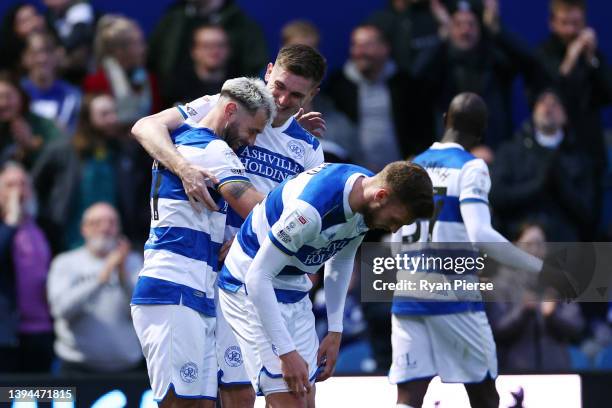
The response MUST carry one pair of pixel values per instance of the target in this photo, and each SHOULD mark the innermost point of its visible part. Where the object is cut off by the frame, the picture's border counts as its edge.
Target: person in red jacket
(120, 50)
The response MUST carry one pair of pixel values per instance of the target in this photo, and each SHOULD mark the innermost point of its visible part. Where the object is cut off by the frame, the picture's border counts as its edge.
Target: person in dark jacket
(531, 335)
(98, 165)
(20, 20)
(380, 100)
(541, 175)
(480, 56)
(169, 43)
(411, 26)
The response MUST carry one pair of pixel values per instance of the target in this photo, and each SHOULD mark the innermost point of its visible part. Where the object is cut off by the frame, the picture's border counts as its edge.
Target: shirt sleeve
(195, 110)
(315, 158)
(219, 159)
(475, 182)
(296, 226)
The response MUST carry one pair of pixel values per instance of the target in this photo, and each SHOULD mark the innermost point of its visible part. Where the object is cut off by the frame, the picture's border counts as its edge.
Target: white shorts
(229, 354)
(457, 347)
(261, 361)
(179, 346)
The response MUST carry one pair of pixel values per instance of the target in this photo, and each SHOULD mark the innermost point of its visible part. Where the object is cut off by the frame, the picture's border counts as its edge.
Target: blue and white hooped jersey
(278, 153)
(181, 254)
(458, 177)
(308, 217)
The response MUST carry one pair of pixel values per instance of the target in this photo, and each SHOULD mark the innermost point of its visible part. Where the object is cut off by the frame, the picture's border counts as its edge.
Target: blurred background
(74, 185)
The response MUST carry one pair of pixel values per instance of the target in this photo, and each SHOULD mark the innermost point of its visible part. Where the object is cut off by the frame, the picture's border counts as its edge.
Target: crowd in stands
(74, 184)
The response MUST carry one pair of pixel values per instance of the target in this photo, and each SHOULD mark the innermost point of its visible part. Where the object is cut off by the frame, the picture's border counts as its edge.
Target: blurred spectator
(169, 42)
(374, 95)
(89, 293)
(572, 58)
(120, 52)
(24, 264)
(541, 175)
(480, 59)
(577, 67)
(22, 133)
(338, 137)
(531, 335)
(20, 20)
(73, 21)
(50, 97)
(207, 72)
(411, 27)
(99, 164)
(300, 32)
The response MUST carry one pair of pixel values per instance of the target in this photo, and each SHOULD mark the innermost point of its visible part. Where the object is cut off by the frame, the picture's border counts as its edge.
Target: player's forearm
(258, 281)
(477, 220)
(154, 137)
(336, 281)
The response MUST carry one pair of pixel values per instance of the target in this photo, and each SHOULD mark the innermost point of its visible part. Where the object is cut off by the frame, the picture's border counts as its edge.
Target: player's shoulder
(194, 136)
(296, 134)
(446, 155)
(326, 188)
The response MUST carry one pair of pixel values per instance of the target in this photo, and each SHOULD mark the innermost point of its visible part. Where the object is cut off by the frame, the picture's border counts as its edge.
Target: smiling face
(242, 126)
(290, 91)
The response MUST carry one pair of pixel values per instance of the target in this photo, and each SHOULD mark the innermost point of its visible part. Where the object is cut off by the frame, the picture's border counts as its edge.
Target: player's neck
(453, 136)
(357, 199)
(214, 121)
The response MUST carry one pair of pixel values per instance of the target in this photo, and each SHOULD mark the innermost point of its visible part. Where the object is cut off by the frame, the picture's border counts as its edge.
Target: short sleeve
(195, 110)
(219, 159)
(475, 182)
(296, 226)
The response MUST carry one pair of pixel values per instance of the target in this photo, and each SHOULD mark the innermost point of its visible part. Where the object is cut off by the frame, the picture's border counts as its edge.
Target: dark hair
(557, 4)
(382, 37)
(302, 60)
(524, 226)
(410, 184)
(11, 79)
(208, 26)
(87, 137)
(467, 114)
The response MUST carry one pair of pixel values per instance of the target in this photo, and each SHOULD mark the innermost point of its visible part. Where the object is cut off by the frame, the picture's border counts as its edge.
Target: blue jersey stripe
(474, 200)
(297, 132)
(186, 242)
(233, 218)
(186, 135)
(449, 158)
(416, 307)
(247, 238)
(278, 244)
(170, 186)
(153, 291)
(450, 212)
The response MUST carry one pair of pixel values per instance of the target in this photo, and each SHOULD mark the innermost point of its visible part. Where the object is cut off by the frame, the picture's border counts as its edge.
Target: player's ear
(231, 108)
(381, 195)
(268, 71)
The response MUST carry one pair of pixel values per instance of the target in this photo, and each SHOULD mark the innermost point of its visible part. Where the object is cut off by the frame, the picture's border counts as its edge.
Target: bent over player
(318, 217)
(173, 306)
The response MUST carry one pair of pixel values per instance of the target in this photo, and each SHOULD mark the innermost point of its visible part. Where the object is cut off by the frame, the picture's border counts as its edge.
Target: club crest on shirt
(296, 149)
(189, 372)
(233, 356)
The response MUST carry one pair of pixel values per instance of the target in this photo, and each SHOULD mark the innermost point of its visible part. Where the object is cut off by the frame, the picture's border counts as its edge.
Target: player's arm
(153, 133)
(336, 280)
(475, 184)
(285, 238)
(477, 220)
(241, 196)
